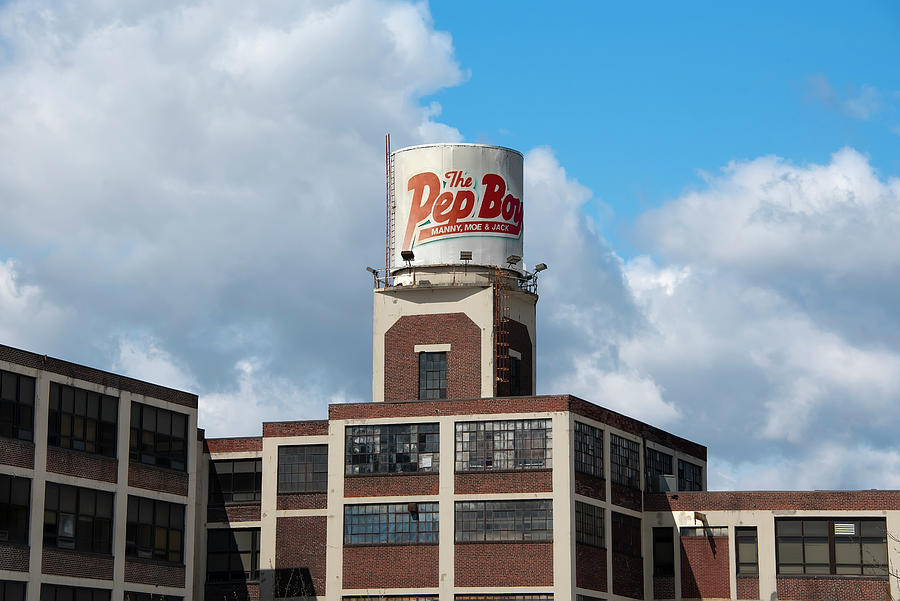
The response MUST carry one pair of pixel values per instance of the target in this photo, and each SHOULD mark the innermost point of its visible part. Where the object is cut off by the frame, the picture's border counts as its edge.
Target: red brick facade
(391, 485)
(840, 588)
(590, 486)
(704, 568)
(17, 453)
(150, 477)
(663, 587)
(239, 591)
(472, 406)
(503, 482)
(245, 512)
(317, 427)
(747, 587)
(504, 564)
(302, 501)
(401, 363)
(628, 575)
(14, 557)
(82, 465)
(625, 496)
(144, 571)
(61, 562)
(833, 500)
(300, 543)
(590, 567)
(391, 566)
(231, 445)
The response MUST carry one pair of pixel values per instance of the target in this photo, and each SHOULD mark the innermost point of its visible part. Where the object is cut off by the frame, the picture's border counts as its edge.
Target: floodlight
(540, 267)
(513, 259)
(465, 255)
(372, 270)
(407, 255)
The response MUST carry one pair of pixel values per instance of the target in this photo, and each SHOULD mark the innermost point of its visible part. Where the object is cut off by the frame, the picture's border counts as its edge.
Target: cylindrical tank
(450, 199)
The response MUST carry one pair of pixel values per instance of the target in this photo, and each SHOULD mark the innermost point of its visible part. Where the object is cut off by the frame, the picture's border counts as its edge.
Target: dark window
(703, 531)
(391, 523)
(15, 494)
(78, 518)
(12, 590)
(432, 375)
(624, 461)
(663, 552)
(478, 521)
(589, 525)
(831, 546)
(57, 592)
(158, 436)
(513, 597)
(16, 406)
(135, 596)
(392, 449)
(626, 534)
(232, 555)
(491, 446)
(235, 480)
(155, 529)
(658, 464)
(690, 476)
(588, 449)
(303, 468)
(746, 549)
(391, 597)
(515, 376)
(82, 420)
(294, 582)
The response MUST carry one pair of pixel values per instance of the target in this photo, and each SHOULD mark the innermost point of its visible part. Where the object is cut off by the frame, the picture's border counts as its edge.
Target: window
(588, 450)
(663, 552)
(510, 597)
(15, 493)
(82, 420)
(433, 375)
(155, 529)
(303, 469)
(589, 525)
(391, 523)
(232, 555)
(831, 546)
(12, 590)
(395, 448)
(625, 461)
(294, 582)
(703, 531)
(658, 464)
(57, 592)
(16, 406)
(78, 518)
(626, 534)
(478, 521)
(503, 445)
(515, 376)
(158, 436)
(235, 480)
(690, 476)
(746, 551)
(135, 596)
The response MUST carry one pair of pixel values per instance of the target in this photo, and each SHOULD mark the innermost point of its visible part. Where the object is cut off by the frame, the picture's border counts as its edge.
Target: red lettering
(463, 205)
(510, 207)
(494, 189)
(442, 206)
(420, 210)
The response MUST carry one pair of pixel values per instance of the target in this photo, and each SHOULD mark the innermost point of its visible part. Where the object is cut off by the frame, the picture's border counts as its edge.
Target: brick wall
(503, 482)
(83, 465)
(61, 562)
(628, 576)
(300, 543)
(704, 568)
(663, 587)
(590, 567)
(238, 591)
(625, 496)
(230, 445)
(14, 557)
(150, 477)
(18, 453)
(504, 564)
(245, 512)
(391, 566)
(401, 364)
(833, 588)
(318, 427)
(520, 340)
(391, 485)
(747, 587)
(853, 500)
(317, 500)
(144, 571)
(590, 486)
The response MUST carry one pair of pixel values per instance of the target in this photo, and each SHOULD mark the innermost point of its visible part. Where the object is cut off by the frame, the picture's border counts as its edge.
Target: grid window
(690, 476)
(15, 494)
(478, 521)
(12, 590)
(135, 596)
(512, 597)
(235, 480)
(232, 555)
(389, 598)
(831, 546)
(395, 448)
(303, 469)
(155, 530)
(78, 518)
(491, 446)
(16, 405)
(57, 592)
(625, 461)
(626, 534)
(588, 449)
(746, 549)
(391, 524)
(704, 531)
(82, 420)
(658, 464)
(433, 375)
(589, 525)
(158, 436)
(663, 552)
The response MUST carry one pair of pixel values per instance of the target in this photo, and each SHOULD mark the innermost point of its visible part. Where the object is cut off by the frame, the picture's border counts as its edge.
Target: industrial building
(456, 483)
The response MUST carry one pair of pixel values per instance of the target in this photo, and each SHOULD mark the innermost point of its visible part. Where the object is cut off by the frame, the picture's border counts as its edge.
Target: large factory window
(433, 375)
(82, 420)
(588, 449)
(492, 446)
(12, 590)
(626, 534)
(232, 555)
(831, 546)
(15, 493)
(235, 480)
(394, 448)
(391, 524)
(625, 461)
(745, 545)
(158, 436)
(589, 525)
(303, 468)
(16, 406)
(78, 518)
(690, 476)
(658, 464)
(663, 551)
(478, 521)
(155, 529)
(58, 592)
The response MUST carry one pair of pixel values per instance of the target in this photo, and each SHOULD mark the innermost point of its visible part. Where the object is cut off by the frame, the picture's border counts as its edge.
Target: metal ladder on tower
(501, 331)
(390, 236)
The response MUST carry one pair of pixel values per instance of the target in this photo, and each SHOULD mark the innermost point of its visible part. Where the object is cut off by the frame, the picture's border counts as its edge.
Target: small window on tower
(433, 375)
